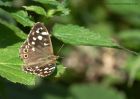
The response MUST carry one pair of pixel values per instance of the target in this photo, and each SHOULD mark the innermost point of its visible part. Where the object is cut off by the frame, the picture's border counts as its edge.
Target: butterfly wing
(37, 52)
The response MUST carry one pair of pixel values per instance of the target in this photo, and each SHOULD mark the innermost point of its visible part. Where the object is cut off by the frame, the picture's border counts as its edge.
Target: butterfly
(37, 52)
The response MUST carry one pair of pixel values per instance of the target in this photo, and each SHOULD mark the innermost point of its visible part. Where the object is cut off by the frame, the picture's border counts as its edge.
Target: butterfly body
(37, 52)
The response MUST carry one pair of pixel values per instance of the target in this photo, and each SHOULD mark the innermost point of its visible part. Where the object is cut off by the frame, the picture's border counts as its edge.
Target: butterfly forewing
(37, 52)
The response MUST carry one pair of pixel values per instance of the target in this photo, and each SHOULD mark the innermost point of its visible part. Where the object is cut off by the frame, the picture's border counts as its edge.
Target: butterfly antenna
(60, 50)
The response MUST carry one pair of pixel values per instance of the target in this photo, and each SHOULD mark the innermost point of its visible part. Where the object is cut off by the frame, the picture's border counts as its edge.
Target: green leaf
(36, 9)
(61, 8)
(22, 17)
(133, 68)
(130, 38)
(6, 16)
(52, 2)
(130, 34)
(10, 63)
(103, 28)
(123, 6)
(94, 91)
(16, 30)
(51, 12)
(11, 66)
(60, 70)
(128, 9)
(7, 4)
(76, 35)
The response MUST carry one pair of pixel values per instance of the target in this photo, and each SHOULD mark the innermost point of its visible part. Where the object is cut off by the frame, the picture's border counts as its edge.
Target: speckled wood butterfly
(37, 52)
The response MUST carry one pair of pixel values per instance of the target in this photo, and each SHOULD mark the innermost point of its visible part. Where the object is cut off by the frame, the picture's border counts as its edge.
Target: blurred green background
(91, 72)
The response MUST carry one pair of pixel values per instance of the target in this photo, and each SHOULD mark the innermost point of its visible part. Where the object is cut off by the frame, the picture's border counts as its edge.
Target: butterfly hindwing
(37, 52)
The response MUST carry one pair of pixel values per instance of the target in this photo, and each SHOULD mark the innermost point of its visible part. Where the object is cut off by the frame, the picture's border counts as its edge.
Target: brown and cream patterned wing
(37, 52)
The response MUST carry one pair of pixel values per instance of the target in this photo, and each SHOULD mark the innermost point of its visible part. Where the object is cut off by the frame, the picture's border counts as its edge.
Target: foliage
(65, 33)
(95, 92)
(73, 23)
(76, 35)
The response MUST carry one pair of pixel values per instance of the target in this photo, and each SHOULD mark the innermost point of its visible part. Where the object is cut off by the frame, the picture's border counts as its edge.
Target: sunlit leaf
(10, 63)
(36, 9)
(76, 35)
(11, 66)
(22, 17)
(60, 70)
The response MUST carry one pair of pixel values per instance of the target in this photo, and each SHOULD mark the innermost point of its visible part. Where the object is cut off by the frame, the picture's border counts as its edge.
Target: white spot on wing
(45, 33)
(33, 49)
(52, 68)
(40, 37)
(46, 68)
(45, 71)
(33, 43)
(45, 44)
(36, 67)
(37, 31)
(34, 38)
